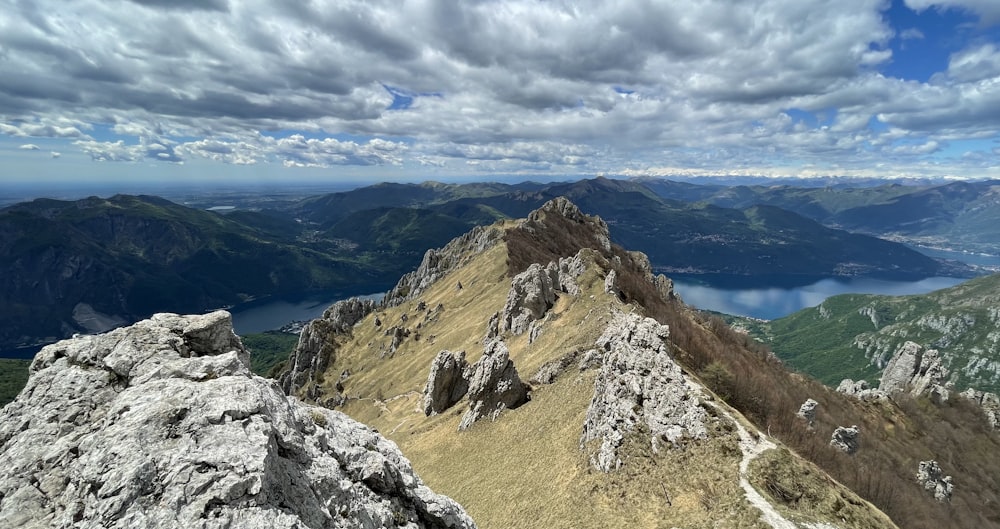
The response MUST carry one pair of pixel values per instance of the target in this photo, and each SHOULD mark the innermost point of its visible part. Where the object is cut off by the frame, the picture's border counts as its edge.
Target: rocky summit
(161, 424)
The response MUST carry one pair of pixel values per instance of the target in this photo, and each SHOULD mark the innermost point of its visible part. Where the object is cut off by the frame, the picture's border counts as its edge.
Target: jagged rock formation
(933, 480)
(918, 370)
(494, 385)
(437, 262)
(639, 382)
(447, 383)
(808, 411)
(989, 402)
(549, 371)
(847, 440)
(533, 292)
(611, 283)
(531, 296)
(314, 352)
(861, 390)
(162, 424)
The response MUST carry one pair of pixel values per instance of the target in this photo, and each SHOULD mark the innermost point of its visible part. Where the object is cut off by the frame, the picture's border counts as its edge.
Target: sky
(232, 90)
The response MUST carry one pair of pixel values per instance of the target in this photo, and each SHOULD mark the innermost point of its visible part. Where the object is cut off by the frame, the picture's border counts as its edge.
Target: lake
(775, 302)
(273, 313)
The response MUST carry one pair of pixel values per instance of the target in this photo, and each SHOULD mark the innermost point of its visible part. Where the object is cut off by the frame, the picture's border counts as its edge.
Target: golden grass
(527, 468)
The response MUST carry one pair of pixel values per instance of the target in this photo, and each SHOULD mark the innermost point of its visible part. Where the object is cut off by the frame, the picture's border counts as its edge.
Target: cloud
(575, 86)
(29, 147)
(989, 10)
(55, 154)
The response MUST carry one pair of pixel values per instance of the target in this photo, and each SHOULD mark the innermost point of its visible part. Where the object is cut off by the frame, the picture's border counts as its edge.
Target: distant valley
(92, 264)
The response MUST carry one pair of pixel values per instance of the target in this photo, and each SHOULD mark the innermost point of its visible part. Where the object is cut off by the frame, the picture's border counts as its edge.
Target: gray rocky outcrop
(565, 272)
(162, 424)
(639, 383)
(847, 440)
(551, 370)
(664, 286)
(611, 283)
(916, 370)
(990, 404)
(494, 385)
(447, 382)
(531, 296)
(315, 349)
(438, 262)
(933, 480)
(861, 390)
(807, 411)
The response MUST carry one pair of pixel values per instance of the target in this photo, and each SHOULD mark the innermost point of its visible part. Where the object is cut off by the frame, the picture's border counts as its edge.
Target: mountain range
(92, 264)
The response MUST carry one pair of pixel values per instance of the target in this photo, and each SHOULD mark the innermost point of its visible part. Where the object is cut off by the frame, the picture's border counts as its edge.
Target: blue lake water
(774, 302)
(269, 314)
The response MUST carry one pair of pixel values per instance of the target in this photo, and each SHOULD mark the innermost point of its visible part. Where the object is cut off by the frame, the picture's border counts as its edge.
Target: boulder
(916, 370)
(808, 411)
(933, 480)
(494, 385)
(447, 382)
(639, 383)
(861, 390)
(611, 283)
(990, 404)
(162, 424)
(847, 440)
(531, 296)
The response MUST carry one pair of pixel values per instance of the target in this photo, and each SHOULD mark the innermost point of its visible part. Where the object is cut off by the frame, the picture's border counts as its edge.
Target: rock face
(314, 352)
(437, 262)
(531, 296)
(990, 404)
(639, 382)
(917, 370)
(933, 480)
(861, 390)
(447, 382)
(847, 440)
(162, 424)
(808, 411)
(494, 385)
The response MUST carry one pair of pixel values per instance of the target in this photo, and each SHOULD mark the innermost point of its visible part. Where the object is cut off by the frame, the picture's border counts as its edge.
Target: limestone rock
(561, 206)
(531, 296)
(933, 480)
(314, 352)
(162, 424)
(664, 286)
(611, 283)
(861, 390)
(847, 440)
(990, 404)
(551, 370)
(639, 382)
(808, 411)
(437, 262)
(494, 385)
(917, 370)
(446, 383)
(566, 271)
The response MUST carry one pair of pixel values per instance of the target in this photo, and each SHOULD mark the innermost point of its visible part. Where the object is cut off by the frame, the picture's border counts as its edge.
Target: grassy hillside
(853, 336)
(13, 377)
(527, 469)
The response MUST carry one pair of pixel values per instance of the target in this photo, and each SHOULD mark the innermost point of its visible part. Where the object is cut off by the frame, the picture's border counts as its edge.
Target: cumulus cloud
(29, 147)
(582, 85)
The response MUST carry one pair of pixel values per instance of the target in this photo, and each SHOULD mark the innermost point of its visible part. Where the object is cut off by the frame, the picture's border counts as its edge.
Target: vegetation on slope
(13, 377)
(854, 335)
(269, 351)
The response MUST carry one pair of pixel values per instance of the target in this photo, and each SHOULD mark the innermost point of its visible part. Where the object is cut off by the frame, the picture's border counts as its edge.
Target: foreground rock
(807, 411)
(639, 383)
(933, 480)
(161, 424)
(861, 390)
